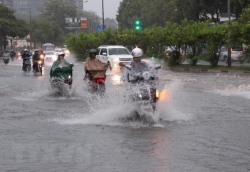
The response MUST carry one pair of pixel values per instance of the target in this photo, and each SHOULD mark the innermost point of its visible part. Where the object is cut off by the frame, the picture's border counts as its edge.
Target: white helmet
(137, 52)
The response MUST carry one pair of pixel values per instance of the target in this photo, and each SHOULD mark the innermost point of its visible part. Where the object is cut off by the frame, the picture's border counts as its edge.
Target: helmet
(137, 52)
(36, 51)
(61, 54)
(25, 50)
(92, 51)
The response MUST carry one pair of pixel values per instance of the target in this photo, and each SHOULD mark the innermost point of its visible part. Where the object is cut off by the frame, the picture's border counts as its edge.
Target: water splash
(167, 105)
(241, 91)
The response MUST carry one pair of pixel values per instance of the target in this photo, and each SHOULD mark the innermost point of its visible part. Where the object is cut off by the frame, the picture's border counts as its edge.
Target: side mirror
(72, 65)
(104, 54)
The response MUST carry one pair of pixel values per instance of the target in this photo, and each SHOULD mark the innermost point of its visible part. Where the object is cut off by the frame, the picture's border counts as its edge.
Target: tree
(10, 26)
(110, 23)
(57, 11)
(46, 31)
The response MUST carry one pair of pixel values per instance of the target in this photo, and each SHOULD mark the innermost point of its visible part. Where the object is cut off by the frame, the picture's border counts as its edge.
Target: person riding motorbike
(12, 54)
(6, 53)
(137, 66)
(94, 64)
(25, 55)
(35, 59)
(61, 68)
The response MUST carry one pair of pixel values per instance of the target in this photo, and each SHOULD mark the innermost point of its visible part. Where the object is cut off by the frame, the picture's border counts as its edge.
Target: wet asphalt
(203, 125)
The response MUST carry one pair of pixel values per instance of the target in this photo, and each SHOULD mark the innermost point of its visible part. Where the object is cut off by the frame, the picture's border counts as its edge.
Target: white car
(50, 56)
(114, 54)
(59, 51)
(236, 53)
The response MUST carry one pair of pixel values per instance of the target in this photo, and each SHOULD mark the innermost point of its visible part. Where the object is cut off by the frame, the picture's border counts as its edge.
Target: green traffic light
(153, 58)
(137, 22)
(137, 27)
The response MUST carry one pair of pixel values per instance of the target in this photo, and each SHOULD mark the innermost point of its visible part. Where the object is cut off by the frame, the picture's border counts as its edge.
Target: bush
(174, 58)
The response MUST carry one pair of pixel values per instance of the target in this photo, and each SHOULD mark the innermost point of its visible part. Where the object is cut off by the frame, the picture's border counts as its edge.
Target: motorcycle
(38, 67)
(27, 64)
(95, 85)
(61, 85)
(6, 58)
(143, 90)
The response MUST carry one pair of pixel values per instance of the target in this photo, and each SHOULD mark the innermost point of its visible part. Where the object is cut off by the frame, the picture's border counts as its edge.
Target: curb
(205, 70)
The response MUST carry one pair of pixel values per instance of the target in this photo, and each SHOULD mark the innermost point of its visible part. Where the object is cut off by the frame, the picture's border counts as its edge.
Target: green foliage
(244, 26)
(57, 11)
(161, 11)
(174, 59)
(46, 31)
(10, 26)
(191, 40)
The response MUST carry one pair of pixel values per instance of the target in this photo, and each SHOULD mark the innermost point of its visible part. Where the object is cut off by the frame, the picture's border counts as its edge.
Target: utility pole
(30, 28)
(102, 15)
(229, 62)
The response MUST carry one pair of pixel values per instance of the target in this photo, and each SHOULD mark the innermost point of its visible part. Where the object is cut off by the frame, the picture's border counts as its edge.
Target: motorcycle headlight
(41, 56)
(116, 59)
(39, 62)
(69, 76)
(157, 94)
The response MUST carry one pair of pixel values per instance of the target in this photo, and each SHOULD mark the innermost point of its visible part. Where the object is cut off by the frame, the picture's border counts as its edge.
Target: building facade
(25, 6)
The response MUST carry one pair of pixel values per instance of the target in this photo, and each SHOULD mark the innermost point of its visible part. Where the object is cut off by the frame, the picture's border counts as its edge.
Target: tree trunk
(4, 43)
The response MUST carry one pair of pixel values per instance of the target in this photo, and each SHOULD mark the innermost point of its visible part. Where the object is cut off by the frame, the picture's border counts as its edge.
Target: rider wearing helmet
(138, 66)
(94, 64)
(35, 59)
(25, 55)
(12, 54)
(61, 68)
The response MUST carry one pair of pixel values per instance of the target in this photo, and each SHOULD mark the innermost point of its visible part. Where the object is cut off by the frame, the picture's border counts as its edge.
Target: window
(104, 50)
(118, 51)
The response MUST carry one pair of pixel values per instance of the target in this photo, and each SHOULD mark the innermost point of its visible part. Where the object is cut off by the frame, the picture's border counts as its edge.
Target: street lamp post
(83, 1)
(102, 15)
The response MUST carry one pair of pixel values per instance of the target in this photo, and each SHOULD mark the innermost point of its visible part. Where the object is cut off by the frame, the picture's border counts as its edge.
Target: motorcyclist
(6, 53)
(137, 66)
(94, 64)
(25, 55)
(61, 68)
(12, 54)
(35, 59)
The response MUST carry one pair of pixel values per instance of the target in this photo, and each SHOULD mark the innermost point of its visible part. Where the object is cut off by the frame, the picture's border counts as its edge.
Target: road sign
(99, 27)
(76, 22)
(84, 23)
(15, 43)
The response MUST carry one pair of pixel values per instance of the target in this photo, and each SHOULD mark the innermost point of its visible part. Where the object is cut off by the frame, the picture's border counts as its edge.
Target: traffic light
(137, 25)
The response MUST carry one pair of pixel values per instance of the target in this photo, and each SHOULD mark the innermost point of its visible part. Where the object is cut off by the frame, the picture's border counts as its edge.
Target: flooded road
(203, 126)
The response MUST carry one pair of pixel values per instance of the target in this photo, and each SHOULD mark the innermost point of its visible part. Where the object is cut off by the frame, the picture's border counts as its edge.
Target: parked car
(236, 54)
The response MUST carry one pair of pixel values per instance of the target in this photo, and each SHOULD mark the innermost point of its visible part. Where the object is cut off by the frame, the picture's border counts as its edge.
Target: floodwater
(203, 125)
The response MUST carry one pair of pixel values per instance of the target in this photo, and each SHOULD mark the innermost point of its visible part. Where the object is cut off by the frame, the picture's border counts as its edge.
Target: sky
(110, 7)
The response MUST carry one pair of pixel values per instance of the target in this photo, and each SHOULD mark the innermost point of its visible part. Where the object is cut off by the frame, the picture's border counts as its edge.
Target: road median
(208, 69)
